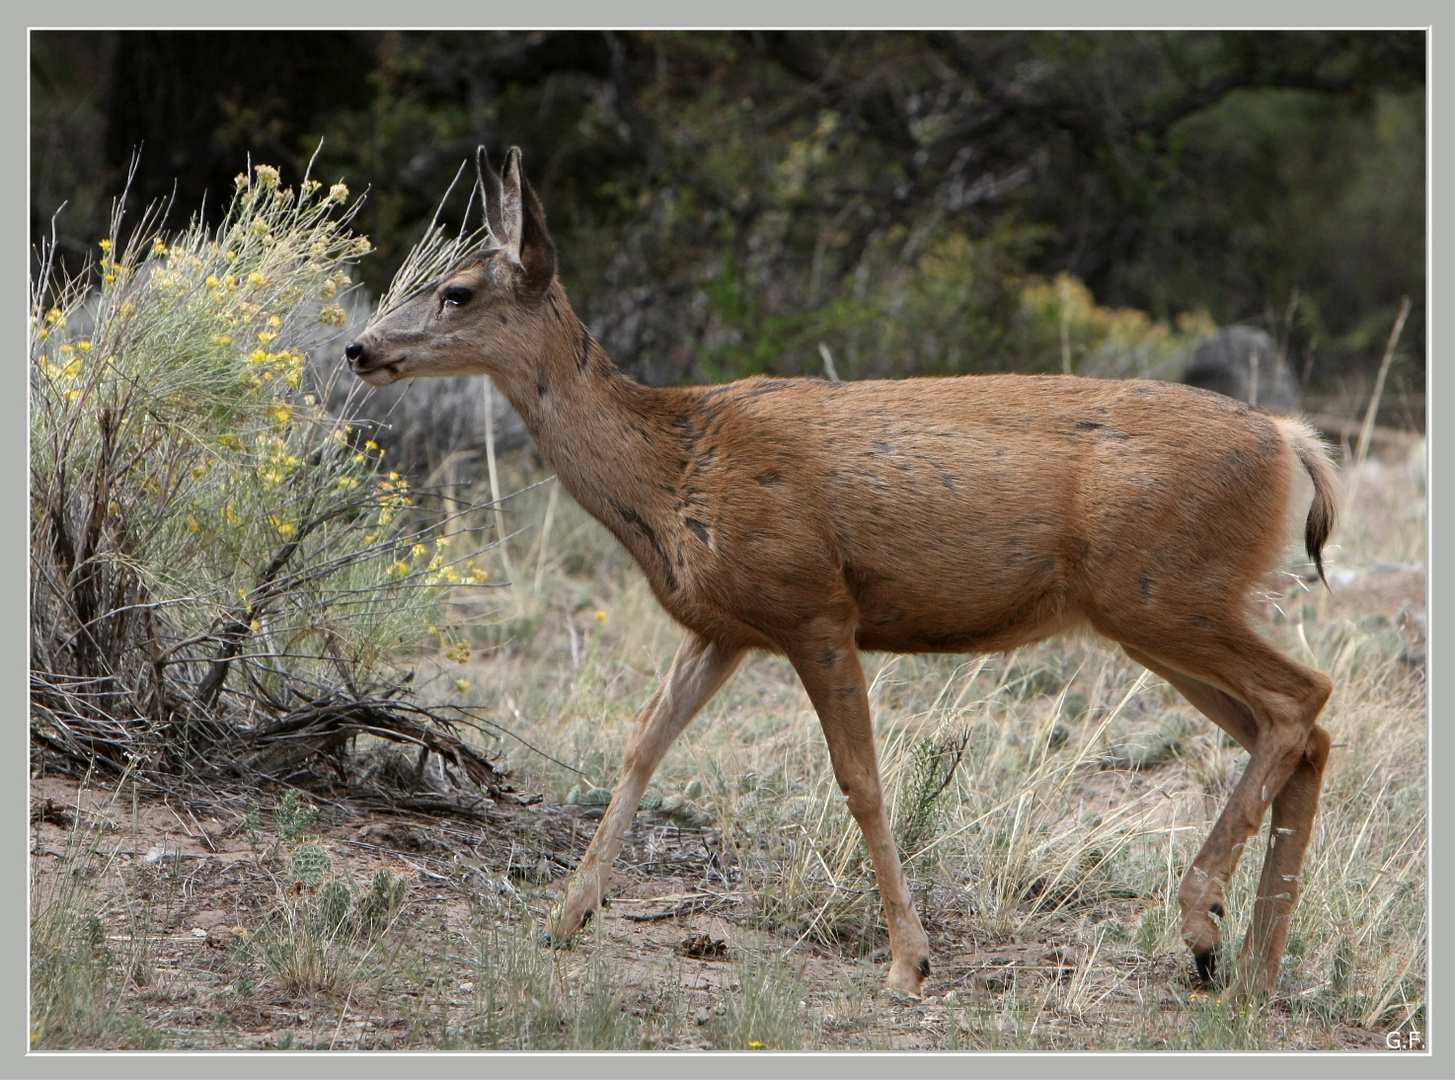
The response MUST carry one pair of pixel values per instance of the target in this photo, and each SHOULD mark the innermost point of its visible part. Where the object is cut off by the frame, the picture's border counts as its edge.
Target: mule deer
(816, 519)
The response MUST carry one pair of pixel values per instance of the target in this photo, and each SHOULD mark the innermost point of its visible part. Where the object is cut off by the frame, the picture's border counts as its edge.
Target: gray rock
(1243, 362)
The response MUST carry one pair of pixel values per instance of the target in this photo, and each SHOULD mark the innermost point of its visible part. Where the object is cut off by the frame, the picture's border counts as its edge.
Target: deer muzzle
(369, 366)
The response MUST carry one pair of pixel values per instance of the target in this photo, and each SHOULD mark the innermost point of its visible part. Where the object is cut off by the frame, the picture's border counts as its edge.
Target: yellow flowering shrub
(237, 500)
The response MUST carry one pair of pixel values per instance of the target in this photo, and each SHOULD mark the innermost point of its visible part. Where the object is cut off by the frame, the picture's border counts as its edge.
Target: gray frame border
(15, 1061)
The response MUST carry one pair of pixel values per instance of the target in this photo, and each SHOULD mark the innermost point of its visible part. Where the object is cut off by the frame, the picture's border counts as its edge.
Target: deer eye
(455, 295)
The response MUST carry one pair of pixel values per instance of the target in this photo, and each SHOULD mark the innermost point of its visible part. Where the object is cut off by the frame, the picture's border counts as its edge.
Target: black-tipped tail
(1324, 512)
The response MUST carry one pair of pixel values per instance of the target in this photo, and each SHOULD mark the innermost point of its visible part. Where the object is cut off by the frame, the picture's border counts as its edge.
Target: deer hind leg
(1278, 886)
(1288, 751)
(828, 663)
(698, 670)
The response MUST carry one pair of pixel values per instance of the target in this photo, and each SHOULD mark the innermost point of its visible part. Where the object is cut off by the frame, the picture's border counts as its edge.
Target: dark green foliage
(726, 202)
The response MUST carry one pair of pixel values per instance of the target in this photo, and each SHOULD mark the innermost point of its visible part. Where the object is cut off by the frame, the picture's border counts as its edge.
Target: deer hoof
(906, 979)
(563, 934)
(1207, 965)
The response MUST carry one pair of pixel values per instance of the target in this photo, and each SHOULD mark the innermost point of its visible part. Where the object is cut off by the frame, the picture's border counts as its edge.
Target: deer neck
(597, 428)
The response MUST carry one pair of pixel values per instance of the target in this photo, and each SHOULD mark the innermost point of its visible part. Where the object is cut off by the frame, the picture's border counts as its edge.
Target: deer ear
(537, 251)
(525, 221)
(509, 235)
(490, 195)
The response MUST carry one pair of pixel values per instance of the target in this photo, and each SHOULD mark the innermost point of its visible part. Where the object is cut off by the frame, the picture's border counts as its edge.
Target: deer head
(485, 313)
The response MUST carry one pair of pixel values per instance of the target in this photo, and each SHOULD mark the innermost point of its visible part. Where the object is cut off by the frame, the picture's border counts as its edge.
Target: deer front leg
(828, 664)
(698, 670)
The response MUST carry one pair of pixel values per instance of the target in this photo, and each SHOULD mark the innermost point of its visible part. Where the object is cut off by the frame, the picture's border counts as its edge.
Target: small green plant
(334, 900)
(322, 938)
(74, 980)
(932, 771)
(384, 897)
(253, 826)
(292, 818)
(761, 1012)
(310, 864)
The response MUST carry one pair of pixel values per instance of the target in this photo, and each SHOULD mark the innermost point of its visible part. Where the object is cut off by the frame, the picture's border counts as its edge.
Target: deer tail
(1313, 453)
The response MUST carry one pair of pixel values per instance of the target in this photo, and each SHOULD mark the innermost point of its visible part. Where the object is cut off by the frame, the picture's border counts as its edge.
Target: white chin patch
(380, 376)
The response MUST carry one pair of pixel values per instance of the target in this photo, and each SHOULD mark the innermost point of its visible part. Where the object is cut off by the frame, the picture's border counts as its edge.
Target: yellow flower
(256, 626)
(160, 247)
(339, 192)
(601, 616)
(274, 321)
(267, 175)
(462, 685)
(418, 550)
(333, 315)
(105, 245)
(265, 336)
(400, 568)
(256, 278)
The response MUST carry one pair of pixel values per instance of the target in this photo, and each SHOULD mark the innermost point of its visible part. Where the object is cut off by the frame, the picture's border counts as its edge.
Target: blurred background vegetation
(911, 203)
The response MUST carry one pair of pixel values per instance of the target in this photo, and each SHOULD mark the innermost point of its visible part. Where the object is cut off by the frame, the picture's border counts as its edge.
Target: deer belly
(970, 609)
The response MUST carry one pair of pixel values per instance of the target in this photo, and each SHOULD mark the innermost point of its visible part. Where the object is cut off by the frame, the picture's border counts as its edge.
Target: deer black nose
(353, 350)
